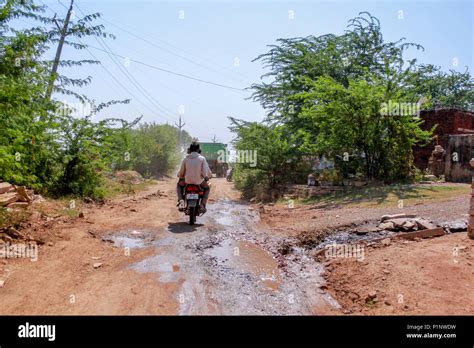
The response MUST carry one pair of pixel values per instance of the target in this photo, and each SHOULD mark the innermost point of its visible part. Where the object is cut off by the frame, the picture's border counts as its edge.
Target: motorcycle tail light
(192, 189)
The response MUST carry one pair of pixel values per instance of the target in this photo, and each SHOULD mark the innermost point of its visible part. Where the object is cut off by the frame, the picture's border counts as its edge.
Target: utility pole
(180, 127)
(58, 51)
(214, 139)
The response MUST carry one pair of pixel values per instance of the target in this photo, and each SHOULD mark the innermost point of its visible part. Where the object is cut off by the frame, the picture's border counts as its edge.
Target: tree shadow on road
(182, 227)
(376, 195)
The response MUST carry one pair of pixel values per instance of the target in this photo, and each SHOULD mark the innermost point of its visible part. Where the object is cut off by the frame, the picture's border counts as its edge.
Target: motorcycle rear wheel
(192, 215)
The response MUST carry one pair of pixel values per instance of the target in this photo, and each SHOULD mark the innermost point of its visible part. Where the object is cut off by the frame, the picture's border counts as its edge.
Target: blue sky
(216, 41)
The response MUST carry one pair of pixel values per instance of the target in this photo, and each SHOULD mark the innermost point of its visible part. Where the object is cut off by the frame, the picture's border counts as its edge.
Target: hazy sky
(216, 41)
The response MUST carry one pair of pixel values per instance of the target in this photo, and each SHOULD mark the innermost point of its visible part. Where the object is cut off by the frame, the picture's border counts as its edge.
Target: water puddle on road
(230, 215)
(247, 257)
(167, 266)
(219, 268)
(132, 239)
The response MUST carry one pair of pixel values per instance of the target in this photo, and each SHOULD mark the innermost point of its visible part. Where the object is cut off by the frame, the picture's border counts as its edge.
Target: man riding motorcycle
(194, 170)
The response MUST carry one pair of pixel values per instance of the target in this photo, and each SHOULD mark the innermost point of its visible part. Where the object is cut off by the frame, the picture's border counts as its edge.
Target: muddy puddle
(167, 267)
(221, 267)
(131, 238)
(247, 257)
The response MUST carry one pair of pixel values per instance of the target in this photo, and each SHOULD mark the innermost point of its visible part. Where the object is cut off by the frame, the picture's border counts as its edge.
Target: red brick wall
(449, 121)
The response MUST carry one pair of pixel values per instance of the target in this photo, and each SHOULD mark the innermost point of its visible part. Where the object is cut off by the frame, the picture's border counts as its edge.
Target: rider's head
(195, 147)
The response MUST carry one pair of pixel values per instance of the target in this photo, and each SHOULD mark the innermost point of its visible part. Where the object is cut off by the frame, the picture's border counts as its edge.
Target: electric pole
(214, 139)
(180, 127)
(58, 52)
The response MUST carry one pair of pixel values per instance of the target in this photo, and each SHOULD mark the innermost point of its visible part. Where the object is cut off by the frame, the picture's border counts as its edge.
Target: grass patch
(390, 195)
(113, 188)
(12, 218)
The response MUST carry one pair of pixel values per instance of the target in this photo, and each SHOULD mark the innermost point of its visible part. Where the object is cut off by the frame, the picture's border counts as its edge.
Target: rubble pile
(404, 223)
(12, 196)
(408, 223)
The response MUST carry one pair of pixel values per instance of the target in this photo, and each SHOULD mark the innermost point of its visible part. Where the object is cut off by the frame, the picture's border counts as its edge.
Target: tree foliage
(327, 95)
(274, 157)
(152, 149)
(44, 144)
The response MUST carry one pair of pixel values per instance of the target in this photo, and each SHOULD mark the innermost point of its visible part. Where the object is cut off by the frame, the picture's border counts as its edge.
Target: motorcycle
(193, 199)
(229, 175)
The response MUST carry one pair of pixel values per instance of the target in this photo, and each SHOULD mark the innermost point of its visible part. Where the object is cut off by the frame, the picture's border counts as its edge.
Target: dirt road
(137, 255)
(420, 277)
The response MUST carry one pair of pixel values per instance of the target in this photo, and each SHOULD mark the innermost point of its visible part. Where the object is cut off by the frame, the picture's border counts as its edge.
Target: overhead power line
(172, 72)
(129, 76)
(121, 85)
(118, 83)
(171, 52)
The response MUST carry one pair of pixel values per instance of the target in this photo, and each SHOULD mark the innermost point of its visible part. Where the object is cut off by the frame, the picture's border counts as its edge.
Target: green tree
(25, 143)
(153, 149)
(442, 90)
(361, 49)
(41, 144)
(328, 92)
(350, 124)
(274, 160)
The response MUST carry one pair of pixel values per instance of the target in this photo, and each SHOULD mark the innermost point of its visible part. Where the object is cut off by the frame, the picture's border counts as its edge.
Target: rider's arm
(205, 170)
(182, 170)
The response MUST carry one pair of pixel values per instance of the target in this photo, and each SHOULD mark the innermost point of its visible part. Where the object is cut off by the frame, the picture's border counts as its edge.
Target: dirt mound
(128, 177)
(429, 277)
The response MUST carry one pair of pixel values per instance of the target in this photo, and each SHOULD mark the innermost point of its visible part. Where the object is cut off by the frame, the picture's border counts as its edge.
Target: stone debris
(14, 197)
(396, 216)
(371, 296)
(456, 226)
(424, 224)
(97, 265)
(409, 226)
(364, 229)
(405, 223)
(5, 187)
(389, 226)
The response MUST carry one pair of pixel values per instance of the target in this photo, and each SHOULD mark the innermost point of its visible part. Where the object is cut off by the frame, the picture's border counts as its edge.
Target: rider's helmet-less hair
(195, 147)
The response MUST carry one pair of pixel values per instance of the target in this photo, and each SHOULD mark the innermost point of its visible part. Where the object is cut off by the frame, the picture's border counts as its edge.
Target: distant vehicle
(216, 156)
(229, 174)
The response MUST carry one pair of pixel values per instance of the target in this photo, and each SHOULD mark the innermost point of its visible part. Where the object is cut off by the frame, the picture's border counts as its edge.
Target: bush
(332, 176)
(251, 182)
